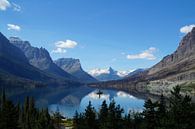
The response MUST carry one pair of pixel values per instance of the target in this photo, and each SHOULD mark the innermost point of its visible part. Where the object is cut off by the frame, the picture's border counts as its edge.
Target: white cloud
(4, 4)
(16, 7)
(66, 44)
(61, 46)
(186, 29)
(13, 27)
(147, 54)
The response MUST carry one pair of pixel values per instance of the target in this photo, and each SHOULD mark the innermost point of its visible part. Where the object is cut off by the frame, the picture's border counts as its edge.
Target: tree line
(26, 115)
(176, 112)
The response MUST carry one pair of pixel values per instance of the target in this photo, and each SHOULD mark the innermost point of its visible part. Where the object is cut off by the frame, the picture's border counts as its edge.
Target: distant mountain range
(105, 74)
(73, 67)
(22, 65)
(111, 74)
(177, 68)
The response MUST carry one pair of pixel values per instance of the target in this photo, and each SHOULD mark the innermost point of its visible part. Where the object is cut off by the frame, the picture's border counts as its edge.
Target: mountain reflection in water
(71, 103)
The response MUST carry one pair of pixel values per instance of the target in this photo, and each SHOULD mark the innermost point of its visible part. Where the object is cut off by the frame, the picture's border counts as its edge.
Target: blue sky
(123, 34)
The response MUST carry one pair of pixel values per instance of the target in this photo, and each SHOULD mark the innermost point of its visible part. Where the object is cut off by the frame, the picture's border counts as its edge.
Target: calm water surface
(70, 103)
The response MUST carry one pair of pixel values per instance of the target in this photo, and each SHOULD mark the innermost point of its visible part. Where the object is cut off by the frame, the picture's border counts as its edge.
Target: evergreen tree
(90, 117)
(23, 116)
(180, 110)
(162, 118)
(103, 115)
(114, 115)
(76, 120)
(137, 120)
(57, 118)
(9, 114)
(128, 121)
(118, 117)
(150, 114)
(44, 120)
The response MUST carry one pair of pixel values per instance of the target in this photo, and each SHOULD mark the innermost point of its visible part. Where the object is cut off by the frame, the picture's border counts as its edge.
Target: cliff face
(40, 58)
(73, 67)
(177, 68)
(14, 63)
(69, 64)
(180, 65)
(10, 51)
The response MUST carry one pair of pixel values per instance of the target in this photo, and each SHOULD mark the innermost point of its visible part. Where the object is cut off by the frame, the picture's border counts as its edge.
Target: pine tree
(119, 120)
(76, 120)
(103, 115)
(128, 124)
(180, 110)
(57, 118)
(112, 115)
(26, 118)
(150, 114)
(9, 114)
(162, 118)
(90, 117)
(137, 120)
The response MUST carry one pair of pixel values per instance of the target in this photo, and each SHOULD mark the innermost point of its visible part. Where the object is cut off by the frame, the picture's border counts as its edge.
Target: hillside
(177, 68)
(15, 69)
(40, 58)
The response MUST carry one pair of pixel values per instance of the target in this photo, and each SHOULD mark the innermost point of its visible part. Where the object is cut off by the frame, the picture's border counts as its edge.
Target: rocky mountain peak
(188, 39)
(39, 58)
(69, 64)
(14, 38)
(112, 71)
(9, 50)
(73, 66)
(193, 30)
(181, 60)
(31, 52)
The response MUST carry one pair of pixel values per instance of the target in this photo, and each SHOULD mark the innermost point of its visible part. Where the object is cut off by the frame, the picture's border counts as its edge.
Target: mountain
(73, 67)
(13, 62)
(179, 65)
(40, 58)
(105, 74)
(137, 71)
(177, 68)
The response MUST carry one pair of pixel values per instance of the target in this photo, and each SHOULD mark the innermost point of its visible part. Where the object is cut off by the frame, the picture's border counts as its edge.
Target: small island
(99, 93)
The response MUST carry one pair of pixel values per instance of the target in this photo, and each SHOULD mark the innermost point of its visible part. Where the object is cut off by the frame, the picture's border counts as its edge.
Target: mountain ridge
(105, 74)
(40, 58)
(73, 67)
(21, 66)
(177, 68)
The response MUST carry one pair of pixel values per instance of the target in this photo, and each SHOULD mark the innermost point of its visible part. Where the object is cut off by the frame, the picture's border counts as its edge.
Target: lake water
(71, 103)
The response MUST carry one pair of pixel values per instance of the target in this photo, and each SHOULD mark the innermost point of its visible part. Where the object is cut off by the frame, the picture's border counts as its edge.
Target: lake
(74, 102)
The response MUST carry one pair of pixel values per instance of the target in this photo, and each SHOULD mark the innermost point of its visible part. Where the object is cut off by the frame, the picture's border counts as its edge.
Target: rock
(181, 61)
(73, 67)
(40, 58)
